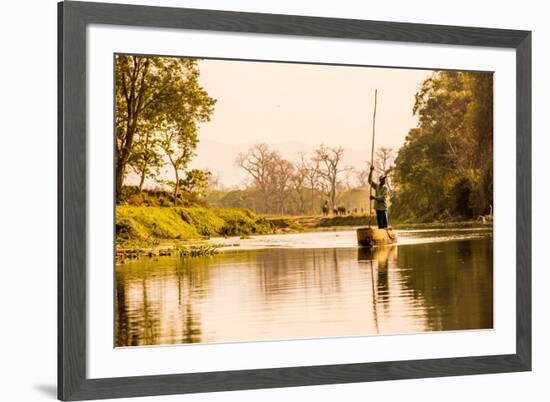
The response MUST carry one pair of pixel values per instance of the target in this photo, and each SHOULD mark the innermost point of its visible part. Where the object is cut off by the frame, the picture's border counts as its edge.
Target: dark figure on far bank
(325, 208)
(379, 197)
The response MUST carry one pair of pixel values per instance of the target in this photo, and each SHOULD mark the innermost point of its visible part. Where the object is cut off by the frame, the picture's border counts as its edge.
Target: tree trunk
(266, 201)
(333, 194)
(142, 179)
(119, 176)
(134, 103)
(144, 166)
(124, 153)
(176, 187)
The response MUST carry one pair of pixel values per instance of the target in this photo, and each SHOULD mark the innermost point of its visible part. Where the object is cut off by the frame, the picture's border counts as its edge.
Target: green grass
(151, 224)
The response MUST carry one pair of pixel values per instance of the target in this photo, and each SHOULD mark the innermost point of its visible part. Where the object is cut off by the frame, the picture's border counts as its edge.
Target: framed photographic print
(254, 201)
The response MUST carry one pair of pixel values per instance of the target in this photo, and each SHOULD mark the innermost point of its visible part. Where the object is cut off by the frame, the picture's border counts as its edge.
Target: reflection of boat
(379, 254)
(369, 236)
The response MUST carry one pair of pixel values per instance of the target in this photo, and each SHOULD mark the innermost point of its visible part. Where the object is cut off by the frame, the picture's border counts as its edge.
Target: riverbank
(152, 225)
(319, 222)
(152, 231)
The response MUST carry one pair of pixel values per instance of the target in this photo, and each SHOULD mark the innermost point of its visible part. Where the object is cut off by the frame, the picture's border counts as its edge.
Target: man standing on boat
(380, 196)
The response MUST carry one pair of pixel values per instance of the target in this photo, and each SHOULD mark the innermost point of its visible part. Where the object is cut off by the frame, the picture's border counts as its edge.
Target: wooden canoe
(370, 236)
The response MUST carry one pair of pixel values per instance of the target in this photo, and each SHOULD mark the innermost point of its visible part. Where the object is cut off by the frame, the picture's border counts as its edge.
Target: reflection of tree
(305, 292)
(191, 325)
(158, 306)
(190, 280)
(150, 333)
(121, 319)
(452, 280)
(137, 313)
(306, 270)
(335, 269)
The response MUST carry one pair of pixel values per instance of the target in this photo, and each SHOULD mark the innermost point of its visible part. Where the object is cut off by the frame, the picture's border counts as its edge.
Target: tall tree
(330, 160)
(362, 176)
(384, 160)
(312, 176)
(444, 169)
(281, 179)
(131, 101)
(179, 146)
(145, 160)
(258, 161)
(347, 185)
(300, 181)
(152, 92)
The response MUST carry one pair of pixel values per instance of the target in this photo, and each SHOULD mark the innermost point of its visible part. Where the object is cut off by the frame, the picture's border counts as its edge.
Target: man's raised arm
(373, 184)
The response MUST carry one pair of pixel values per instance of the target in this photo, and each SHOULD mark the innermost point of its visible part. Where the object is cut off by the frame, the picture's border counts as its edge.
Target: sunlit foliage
(159, 105)
(445, 168)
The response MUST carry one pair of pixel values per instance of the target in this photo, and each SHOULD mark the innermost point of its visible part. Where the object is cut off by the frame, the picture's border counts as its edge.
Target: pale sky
(296, 107)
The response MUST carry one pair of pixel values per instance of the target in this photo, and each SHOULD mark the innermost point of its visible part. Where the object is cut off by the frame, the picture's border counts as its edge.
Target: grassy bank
(169, 231)
(151, 225)
(309, 223)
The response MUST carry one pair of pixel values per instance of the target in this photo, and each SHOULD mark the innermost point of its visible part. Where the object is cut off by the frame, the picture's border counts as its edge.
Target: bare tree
(258, 161)
(383, 164)
(214, 182)
(280, 178)
(347, 185)
(329, 160)
(384, 160)
(312, 176)
(362, 177)
(300, 180)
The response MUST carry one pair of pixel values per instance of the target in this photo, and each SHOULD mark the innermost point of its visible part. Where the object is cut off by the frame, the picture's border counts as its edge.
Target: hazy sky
(297, 107)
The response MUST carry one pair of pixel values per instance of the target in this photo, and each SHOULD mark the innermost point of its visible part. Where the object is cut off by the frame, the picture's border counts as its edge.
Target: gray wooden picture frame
(73, 18)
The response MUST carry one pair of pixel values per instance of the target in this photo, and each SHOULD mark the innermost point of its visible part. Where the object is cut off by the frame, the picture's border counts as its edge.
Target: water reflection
(378, 260)
(282, 293)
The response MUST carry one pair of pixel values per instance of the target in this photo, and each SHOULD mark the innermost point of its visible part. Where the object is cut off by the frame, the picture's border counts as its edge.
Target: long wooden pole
(374, 301)
(372, 150)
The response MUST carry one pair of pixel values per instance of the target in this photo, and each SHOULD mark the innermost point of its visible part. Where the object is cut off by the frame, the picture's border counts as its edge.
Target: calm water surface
(309, 285)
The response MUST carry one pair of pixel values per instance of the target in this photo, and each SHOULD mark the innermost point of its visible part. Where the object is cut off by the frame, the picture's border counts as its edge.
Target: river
(308, 285)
